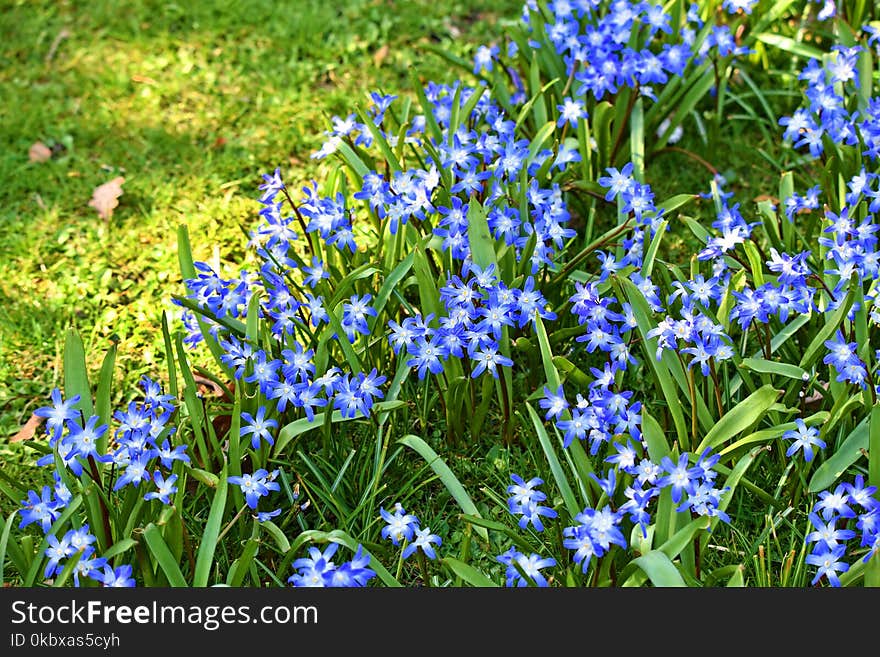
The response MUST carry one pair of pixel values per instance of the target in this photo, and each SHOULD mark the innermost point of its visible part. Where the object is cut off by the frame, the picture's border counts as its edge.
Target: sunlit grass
(190, 103)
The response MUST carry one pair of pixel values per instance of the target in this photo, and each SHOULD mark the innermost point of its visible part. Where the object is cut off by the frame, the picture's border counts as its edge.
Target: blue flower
(264, 516)
(554, 402)
(167, 455)
(57, 551)
(829, 563)
(423, 539)
(678, 476)
(314, 568)
(60, 412)
(805, 438)
(488, 358)
(259, 427)
(88, 565)
(135, 472)
(164, 488)
(42, 509)
(826, 534)
(318, 570)
(85, 439)
(531, 513)
(117, 578)
(530, 565)
(401, 525)
(256, 485)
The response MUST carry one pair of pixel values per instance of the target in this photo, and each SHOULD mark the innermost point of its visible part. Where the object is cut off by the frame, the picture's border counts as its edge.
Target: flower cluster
(692, 489)
(403, 527)
(525, 501)
(478, 307)
(520, 567)
(317, 570)
(480, 163)
(827, 114)
(850, 504)
(139, 451)
(631, 45)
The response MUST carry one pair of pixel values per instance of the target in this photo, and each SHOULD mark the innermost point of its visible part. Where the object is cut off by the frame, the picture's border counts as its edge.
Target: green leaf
(480, 239)
(730, 484)
(659, 569)
(683, 107)
(660, 368)
(380, 141)
(772, 367)
(539, 106)
(31, 577)
(353, 160)
(541, 137)
(536, 97)
(4, 542)
(276, 533)
(388, 285)
(789, 45)
(102, 396)
(745, 414)
(205, 556)
(655, 438)
(208, 478)
(119, 547)
(651, 253)
(429, 295)
(76, 379)
(773, 433)
(159, 549)
(683, 537)
(736, 580)
(468, 573)
(342, 339)
(453, 485)
(240, 566)
(188, 271)
(69, 567)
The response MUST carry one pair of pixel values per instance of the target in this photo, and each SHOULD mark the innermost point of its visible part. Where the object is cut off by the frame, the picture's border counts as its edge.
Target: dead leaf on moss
(28, 430)
(39, 152)
(106, 197)
(381, 55)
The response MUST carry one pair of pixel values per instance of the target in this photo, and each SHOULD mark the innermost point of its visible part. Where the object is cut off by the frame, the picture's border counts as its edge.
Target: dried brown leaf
(28, 430)
(766, 197)
(381, 55)
(106, 197)
(39, 152)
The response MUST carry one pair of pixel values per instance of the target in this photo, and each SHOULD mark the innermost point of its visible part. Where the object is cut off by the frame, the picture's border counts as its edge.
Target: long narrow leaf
(205, 557)
(161, 552)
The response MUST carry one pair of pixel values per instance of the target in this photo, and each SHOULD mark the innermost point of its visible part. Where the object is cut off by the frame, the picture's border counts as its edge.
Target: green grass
(190, 102)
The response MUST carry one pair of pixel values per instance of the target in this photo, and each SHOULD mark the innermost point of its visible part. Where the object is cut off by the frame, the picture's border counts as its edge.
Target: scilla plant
(486, 263)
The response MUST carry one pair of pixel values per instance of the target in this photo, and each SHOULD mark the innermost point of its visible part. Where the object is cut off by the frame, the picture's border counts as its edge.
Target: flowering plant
(447, 280)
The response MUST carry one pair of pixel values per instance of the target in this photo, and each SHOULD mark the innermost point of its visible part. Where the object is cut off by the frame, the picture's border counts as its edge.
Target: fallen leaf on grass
(28, 430)
(766, 197)
(106, 197)
(380, 55)
(39, 152)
